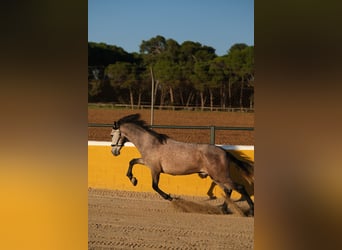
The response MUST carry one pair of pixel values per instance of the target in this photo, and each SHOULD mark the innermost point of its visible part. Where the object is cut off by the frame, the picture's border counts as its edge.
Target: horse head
(118, 140)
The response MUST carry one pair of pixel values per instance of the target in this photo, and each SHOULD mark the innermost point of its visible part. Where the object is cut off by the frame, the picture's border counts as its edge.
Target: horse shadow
(204, 207)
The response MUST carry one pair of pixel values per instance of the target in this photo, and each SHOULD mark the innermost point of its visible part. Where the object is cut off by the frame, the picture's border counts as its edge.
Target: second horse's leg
(130, 168)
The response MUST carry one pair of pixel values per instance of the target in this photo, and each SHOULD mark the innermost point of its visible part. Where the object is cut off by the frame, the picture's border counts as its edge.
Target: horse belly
(180, 165)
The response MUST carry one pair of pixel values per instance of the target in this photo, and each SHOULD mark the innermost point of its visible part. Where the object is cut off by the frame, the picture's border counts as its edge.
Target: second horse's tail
(247, 168)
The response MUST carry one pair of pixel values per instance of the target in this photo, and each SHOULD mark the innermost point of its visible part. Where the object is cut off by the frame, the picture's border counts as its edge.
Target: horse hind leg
(227, 186)
(130, 169)
(228, 192)
(210, 192)
(241, 189)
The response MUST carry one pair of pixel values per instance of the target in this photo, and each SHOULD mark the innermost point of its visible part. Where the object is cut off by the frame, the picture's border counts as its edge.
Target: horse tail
(247, 168)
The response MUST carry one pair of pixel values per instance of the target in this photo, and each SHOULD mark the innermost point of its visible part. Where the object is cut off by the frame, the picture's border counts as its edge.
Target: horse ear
(115, 125)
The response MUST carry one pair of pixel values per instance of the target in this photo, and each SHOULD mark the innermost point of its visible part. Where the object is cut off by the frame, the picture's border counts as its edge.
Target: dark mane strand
(129, 118)
(135, 119)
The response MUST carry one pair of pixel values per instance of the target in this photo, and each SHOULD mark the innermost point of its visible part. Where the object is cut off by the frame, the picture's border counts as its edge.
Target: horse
(164, 155)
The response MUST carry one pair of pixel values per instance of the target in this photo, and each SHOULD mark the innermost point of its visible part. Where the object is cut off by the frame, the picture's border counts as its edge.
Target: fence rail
(211, 128)
(190, 108)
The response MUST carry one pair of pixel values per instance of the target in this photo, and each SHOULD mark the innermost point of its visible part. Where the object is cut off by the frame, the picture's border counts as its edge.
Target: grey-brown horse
(164, 155)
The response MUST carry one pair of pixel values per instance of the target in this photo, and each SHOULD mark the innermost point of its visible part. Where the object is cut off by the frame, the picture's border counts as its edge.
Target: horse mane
(135, 119)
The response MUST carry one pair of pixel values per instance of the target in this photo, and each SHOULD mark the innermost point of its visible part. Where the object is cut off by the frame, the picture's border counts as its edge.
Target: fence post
(212, 134)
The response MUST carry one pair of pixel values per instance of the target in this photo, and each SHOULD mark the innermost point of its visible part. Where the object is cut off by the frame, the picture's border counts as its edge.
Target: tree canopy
(188, 74)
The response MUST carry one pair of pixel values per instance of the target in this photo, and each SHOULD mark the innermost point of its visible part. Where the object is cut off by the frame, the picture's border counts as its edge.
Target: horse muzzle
(116, 151)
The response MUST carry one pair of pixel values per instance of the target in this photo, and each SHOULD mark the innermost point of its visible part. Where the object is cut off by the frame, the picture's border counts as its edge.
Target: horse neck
(137, 135)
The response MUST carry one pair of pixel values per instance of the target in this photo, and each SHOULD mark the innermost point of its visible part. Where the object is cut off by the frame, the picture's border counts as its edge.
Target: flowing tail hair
(247, 168)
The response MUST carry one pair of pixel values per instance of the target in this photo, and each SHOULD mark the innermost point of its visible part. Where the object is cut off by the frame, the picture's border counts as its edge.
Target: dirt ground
(136, 220)
(190, 118)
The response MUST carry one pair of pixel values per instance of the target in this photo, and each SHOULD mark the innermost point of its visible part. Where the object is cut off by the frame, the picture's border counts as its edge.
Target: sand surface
(137, 220)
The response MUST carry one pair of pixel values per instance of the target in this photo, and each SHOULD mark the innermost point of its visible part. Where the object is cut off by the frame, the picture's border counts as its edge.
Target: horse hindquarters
(221, 176)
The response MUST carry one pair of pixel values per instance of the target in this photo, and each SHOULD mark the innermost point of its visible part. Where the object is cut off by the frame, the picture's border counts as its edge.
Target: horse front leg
(155, 181)
(130, 168)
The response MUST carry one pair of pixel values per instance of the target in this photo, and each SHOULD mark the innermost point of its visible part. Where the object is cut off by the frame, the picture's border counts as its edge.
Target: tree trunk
(223, 96)
(139, 98)
(172, 101)
(241, 94)
(251, 101)
(230, 93)
(162, 97)
(155, 91)
(189, 99)
(202, 100)
(181, 97)
(131, 98)
(211, 99)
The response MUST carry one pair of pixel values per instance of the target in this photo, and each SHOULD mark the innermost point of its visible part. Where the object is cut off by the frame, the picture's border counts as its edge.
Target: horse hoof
(225, 210)
(134, 181)
(212, 197)
(250, 213)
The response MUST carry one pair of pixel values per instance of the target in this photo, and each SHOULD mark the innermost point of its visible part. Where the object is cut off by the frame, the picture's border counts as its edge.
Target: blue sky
(215, 23)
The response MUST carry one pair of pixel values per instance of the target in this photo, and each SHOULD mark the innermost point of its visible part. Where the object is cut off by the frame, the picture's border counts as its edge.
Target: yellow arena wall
(109, 172)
